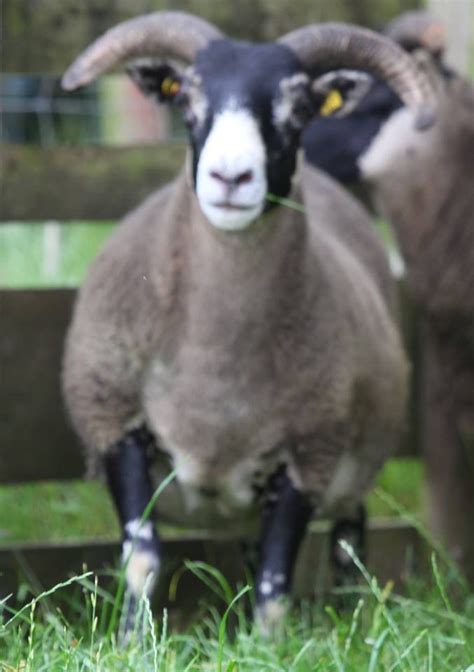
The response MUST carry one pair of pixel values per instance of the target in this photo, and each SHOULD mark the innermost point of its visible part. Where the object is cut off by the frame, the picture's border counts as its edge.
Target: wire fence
(36, 110)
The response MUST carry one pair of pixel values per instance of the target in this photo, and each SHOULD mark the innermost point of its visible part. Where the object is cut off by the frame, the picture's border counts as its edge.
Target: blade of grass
(352, 629)
(223, 625)
(421, 529)
(444, 596)
(287, 202)
(46, 593)
(376, 649)
(408, 650)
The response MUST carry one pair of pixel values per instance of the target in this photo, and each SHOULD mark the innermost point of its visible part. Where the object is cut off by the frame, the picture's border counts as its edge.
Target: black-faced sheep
(254, 343)
(423, 184)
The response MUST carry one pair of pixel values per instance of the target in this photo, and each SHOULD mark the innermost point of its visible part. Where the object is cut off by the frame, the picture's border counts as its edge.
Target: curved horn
(174, 34)
(418, 29)
(330, 46)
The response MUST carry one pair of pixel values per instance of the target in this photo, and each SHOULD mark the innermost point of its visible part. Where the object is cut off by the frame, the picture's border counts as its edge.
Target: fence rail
(394, 552)
(34, 324)
(82, 182)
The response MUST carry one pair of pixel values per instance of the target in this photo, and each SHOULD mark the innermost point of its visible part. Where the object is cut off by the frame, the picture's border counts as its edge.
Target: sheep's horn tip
(425, 118)
(70, 80)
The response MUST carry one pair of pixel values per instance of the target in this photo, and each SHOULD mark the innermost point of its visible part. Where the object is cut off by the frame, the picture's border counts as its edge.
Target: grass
(419, 632)
(57, 254)
(78, 509)
(50, 254)
(73, 627)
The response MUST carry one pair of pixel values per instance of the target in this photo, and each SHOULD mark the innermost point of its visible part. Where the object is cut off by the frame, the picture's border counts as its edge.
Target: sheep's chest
(220, 428)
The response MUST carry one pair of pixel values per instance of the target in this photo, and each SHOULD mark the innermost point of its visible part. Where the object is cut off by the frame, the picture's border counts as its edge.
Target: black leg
(127, 468)
(284, 526)
(353, 531)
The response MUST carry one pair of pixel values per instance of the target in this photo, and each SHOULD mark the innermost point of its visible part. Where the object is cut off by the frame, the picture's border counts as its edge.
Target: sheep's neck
(431, 215)
(234, 281)
(425, 190)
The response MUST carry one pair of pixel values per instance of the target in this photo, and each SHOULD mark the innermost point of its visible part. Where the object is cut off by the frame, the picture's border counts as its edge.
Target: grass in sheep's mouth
(287, 202)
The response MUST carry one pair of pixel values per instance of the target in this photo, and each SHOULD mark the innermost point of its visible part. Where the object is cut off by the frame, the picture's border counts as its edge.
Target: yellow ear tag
(334, 101)
(174, 88)
(169, 87)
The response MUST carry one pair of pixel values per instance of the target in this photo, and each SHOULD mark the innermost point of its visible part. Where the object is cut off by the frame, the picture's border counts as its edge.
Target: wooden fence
(88, 183)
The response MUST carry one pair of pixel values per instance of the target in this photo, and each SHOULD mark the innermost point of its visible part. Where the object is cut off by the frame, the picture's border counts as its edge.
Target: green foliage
(419, 632)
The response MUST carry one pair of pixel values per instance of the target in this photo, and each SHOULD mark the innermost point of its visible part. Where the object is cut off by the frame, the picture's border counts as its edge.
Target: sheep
(335, 144)
(425, 190)
(423, 185)
(249, 347)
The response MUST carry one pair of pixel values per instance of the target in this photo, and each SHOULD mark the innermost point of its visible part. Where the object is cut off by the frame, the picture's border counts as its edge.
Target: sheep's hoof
(270, 617)
(134, 620)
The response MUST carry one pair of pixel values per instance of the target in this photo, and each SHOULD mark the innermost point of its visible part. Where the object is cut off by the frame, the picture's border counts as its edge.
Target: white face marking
(283, 107)
(390, 144)
(197, 99)
(231, 182)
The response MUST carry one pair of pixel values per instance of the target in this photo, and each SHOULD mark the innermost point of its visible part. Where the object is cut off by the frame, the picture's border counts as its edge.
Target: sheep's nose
(232, 180)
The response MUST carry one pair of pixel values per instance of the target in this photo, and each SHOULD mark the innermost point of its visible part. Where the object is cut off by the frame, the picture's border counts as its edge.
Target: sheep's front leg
(284, 525)
(127, 468)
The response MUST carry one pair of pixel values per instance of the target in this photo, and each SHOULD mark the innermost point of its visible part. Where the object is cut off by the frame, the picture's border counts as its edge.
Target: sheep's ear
(339, 92)
(158, 80)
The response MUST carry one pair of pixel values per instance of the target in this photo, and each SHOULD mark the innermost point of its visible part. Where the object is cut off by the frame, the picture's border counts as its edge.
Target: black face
(247, 76)
(336, 144)
(265, 80)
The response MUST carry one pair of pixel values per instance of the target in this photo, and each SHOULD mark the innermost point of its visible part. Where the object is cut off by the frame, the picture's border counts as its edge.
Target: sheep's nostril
(218, 176)
(245, 177)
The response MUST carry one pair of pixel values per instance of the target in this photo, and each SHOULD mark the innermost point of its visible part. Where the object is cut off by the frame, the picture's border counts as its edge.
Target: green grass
(57, 254)
(419, 632)
(51, 511)
(49, 254)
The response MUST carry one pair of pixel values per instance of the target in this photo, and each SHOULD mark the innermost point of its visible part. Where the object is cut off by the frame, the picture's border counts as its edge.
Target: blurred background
(40, 39)
(35, 111)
